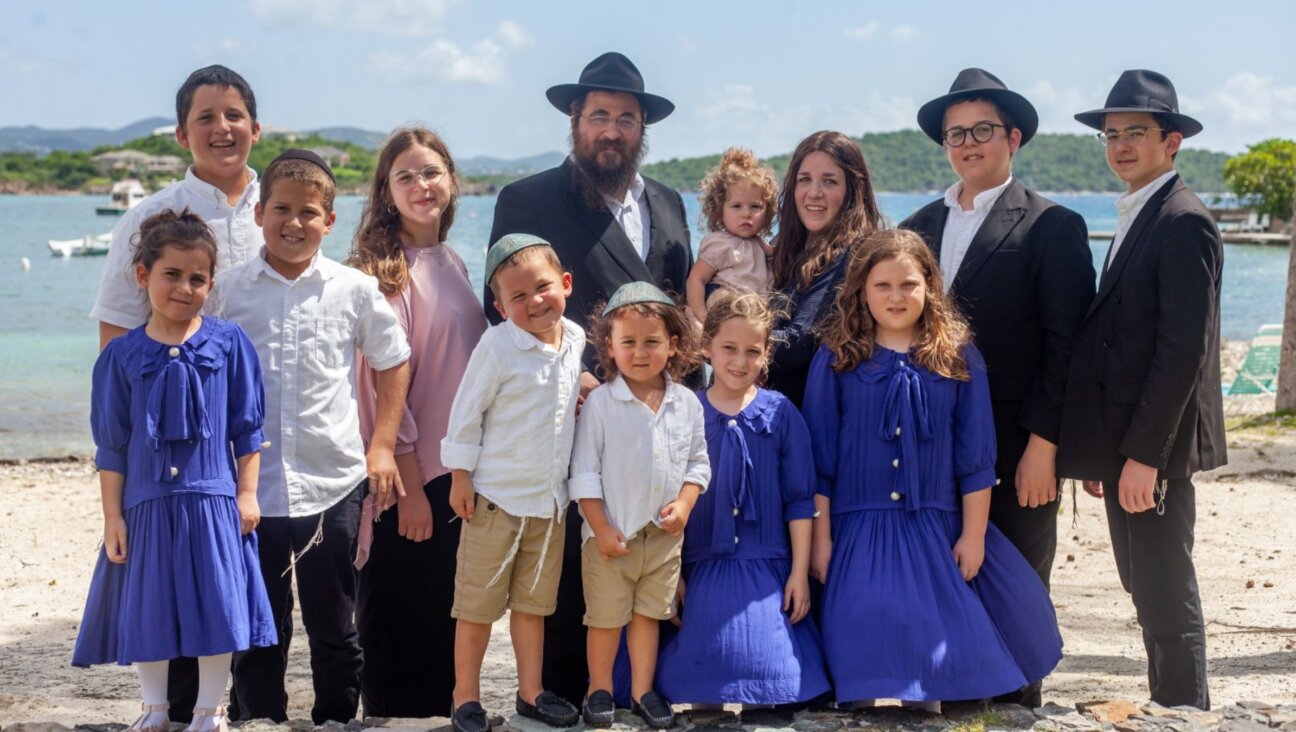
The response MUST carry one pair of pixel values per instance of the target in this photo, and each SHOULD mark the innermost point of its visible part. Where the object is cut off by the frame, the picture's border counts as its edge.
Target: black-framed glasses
(1132, 135)
(626, 123)
(981, 132)
(405, 177)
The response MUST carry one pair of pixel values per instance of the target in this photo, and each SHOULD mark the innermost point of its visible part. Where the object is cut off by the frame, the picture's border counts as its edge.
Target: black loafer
(469, 717)
(600, 709)
(653, 709)
(549, 708)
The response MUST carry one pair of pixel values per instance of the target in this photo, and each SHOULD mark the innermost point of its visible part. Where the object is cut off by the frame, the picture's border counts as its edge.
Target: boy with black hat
(1143, 410)
(1020, 268)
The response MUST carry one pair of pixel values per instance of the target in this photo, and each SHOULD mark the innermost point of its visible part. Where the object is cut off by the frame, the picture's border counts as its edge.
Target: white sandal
(148, 709)
(200, 715)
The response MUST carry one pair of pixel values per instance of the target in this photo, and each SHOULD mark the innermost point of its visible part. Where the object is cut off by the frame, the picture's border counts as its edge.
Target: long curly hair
(738, 166)
(376, 249)
(800, 257)
(688, 350)
(850, 331)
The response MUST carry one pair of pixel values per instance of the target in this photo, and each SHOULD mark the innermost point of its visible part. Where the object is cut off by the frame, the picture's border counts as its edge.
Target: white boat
(87, 246)
(126, 194)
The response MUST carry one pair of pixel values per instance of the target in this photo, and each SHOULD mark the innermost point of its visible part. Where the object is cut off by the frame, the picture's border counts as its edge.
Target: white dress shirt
(634, 459)
(306, 332)
(1128, 207)
(514, 418)
(238, 238)
(961, 226)
(630, 213)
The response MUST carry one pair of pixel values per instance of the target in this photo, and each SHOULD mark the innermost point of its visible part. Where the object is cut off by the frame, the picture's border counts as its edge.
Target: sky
(757, 74)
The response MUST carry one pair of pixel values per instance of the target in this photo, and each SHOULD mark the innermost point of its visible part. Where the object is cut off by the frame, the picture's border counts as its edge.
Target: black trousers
(566, 672)
(1154, 559)
(403, 614)
(326, 585)
(1032, 530)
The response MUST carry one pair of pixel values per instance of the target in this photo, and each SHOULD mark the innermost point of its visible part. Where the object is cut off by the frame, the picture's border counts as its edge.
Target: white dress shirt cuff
(587, 485)
(458, 456)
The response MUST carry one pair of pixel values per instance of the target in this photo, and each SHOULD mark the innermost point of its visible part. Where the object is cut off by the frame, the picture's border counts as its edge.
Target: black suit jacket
(1144, 381)
(1024, 285)
(590, 244)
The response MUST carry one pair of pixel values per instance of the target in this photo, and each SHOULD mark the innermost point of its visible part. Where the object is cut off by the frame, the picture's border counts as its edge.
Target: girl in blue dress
(745, 635)
(924, 600)
(176, 411)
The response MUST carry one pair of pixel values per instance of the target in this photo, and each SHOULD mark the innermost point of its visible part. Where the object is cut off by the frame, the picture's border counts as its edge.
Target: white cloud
(513, 35)
(1057, 106)
(481, 63)
(873, 28)
(412, 18)
(224, 49)
(298, 13)
(904, 32)
(862, 32)
(1246, 109)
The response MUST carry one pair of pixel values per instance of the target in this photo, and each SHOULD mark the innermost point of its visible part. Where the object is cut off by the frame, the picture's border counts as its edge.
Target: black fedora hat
(1139, 90)
(611, 72)
(978, 84)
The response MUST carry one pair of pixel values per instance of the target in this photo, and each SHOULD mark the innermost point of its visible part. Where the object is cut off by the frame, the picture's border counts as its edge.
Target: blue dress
(896, 447)
(735, 643)
(173, 420)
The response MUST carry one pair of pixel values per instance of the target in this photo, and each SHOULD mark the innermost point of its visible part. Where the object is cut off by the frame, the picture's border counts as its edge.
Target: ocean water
(48, 344)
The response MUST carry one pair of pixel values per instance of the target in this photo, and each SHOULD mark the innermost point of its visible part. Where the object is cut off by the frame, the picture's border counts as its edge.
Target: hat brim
(655, 108)
(1094, 118)
(931, 116)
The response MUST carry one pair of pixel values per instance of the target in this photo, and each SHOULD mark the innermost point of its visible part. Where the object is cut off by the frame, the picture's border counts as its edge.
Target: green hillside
(908, 160)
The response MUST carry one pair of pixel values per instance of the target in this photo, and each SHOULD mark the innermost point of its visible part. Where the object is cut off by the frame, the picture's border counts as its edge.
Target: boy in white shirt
(508, 445)
(216, 122)
(307, 316)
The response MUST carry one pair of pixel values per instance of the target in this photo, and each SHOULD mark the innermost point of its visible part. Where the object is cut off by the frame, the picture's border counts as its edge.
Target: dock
(1229, 237)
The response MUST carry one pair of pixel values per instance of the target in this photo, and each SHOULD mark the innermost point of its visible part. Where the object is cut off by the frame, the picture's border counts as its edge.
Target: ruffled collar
(759, 416)
(207, 347)
(734, 473)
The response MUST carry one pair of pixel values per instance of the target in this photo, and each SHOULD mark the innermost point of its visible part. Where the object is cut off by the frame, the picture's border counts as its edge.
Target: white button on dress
(174, 352)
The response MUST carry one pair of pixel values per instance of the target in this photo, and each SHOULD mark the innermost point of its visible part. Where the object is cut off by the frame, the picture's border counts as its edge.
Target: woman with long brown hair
(826, 208)
(407, 583)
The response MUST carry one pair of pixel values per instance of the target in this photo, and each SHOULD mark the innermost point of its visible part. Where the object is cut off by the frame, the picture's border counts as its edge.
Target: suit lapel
(607, 233)
(1007, 212)
(1133, 239)
(655, 263)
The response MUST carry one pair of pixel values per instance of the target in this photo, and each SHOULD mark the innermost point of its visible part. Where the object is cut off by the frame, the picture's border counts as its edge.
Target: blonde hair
(738, 166)
(850, 331)
(688, 351)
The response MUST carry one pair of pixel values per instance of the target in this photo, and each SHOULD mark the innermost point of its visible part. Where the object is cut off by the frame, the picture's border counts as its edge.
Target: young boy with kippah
(507, 446)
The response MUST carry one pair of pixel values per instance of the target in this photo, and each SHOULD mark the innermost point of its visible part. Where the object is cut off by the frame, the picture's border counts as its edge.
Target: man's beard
(606, 167)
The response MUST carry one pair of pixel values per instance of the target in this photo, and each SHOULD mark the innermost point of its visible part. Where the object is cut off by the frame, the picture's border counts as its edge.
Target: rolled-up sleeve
(698, 470)
(461, 448)
(587, 453)
(380, 336)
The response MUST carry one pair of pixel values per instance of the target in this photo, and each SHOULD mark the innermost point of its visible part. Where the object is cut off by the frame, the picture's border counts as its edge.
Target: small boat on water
(87, 246)
(126, 194)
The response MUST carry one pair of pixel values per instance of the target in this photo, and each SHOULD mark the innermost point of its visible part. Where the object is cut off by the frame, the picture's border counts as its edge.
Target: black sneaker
(600, 709)
(549, 708)
(653, 709)
(469, 717)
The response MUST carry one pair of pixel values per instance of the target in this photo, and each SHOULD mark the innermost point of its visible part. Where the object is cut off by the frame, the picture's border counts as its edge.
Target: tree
(1265, 176)
(1287, 356)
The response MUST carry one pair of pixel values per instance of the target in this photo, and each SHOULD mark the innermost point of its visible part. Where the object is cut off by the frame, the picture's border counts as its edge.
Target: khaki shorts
(642, 582)
(484, 546)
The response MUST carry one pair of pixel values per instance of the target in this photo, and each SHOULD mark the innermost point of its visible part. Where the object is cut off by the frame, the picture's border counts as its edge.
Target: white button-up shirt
(631, 215)
(961, 226)
(121, 302)
(1128, 207)
(514, 418)
(634, 459)
(306, 332)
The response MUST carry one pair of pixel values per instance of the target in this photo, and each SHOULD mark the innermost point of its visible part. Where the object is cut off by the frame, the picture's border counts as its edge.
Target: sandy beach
(50, 527)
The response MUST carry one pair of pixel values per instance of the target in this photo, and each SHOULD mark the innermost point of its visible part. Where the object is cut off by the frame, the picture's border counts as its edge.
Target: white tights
(213, 675)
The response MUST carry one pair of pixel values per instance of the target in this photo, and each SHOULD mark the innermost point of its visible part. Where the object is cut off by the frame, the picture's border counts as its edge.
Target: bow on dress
(905, 418)
(733, 478)
(176, 409)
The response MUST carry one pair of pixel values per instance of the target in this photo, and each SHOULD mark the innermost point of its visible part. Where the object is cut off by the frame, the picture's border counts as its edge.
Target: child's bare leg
(471, 640)
(641, 639)
(527, 631)
(600, 653)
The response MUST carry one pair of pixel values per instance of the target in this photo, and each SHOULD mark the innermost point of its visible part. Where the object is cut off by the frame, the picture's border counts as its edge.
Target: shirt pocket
(681, 448)
(331, 342)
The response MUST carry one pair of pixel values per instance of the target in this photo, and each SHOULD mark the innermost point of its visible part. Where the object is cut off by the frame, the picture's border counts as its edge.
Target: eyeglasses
(406, 177)
(626, 122)
(1132, 135)
(981, 132)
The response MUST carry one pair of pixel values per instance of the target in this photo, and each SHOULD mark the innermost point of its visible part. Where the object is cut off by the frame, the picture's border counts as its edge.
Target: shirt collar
(980, 202)
(1132, 200)
(202, 189)
(621, 390)
(633, 193)
(319, 265)
(525, 341)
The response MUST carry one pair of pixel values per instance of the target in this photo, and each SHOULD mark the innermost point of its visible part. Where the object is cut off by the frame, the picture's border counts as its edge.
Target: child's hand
(384, 476)
(969, 553)
(820, 553)
(611, 543)
(115, 539)
(415, 514)
(696, 319)
(1093, 488)
(796, 597)
(675, 516)
(249, 512)
(463, 497)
